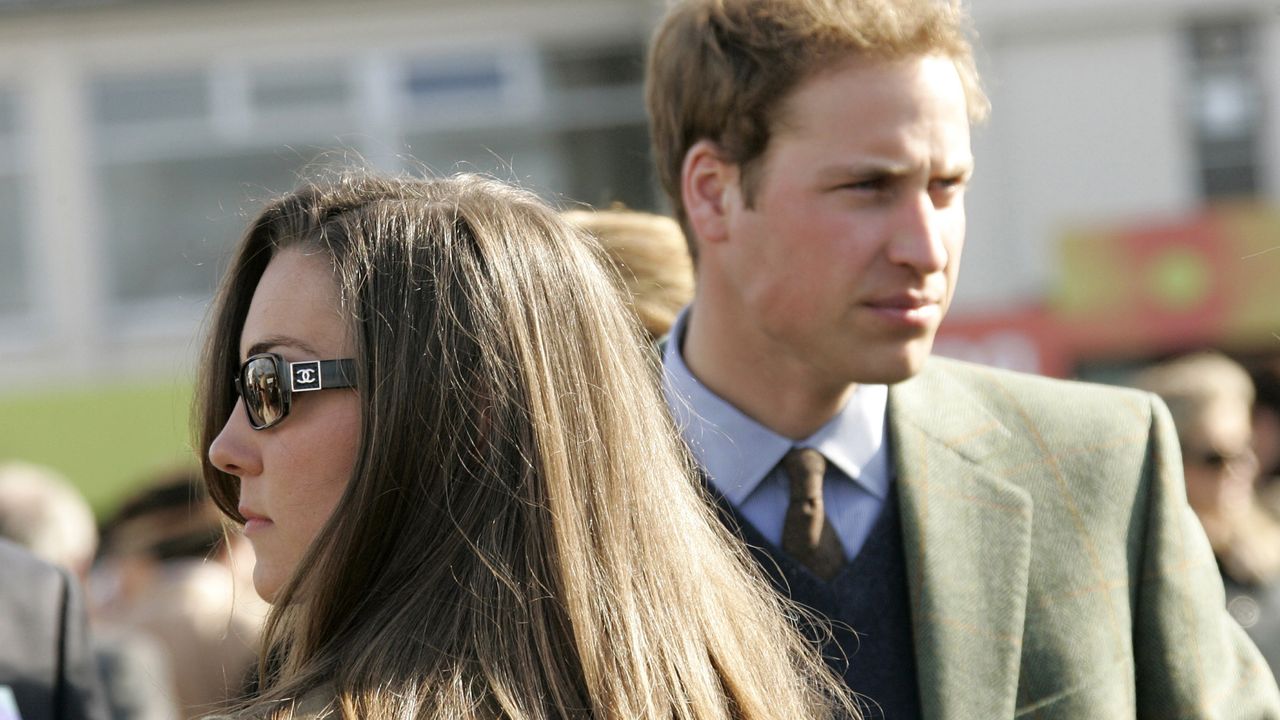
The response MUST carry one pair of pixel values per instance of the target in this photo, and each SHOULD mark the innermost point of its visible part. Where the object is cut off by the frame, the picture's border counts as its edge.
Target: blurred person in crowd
(1266, 431)
(165, 571)
(427, 405)
(1003, 545)
(41, 511)
(47, 670)
(649, 253)
(1210, 397)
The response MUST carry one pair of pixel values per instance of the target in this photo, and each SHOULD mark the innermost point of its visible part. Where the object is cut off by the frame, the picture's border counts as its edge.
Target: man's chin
(897, 367)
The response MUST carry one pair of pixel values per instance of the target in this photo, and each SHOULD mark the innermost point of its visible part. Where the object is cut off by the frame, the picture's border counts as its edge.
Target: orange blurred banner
(1209, 280)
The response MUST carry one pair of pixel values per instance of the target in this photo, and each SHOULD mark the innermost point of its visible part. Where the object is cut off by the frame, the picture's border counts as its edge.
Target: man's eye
(872, 185)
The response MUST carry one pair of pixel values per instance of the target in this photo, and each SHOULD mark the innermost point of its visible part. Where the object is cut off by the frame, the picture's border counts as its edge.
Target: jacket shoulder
(1039, 403)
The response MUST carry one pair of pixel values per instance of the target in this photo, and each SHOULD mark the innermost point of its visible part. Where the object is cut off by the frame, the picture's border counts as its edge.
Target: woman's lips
(253, 522)
(254, 525)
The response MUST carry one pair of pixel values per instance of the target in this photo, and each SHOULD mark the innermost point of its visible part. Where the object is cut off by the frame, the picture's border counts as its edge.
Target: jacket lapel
(967, 539)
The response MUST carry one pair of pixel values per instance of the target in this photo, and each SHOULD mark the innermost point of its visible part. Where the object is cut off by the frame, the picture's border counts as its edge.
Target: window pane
(14, 297)
(1227, 103)
(597, 166)
(436, 80)
(1238, 181)
(596, 67)
(315, 87)
(149, 99)
(608, 165)
(519, 156)
(8, 113)
(14, 280)
(171, 224)
(1223, 42)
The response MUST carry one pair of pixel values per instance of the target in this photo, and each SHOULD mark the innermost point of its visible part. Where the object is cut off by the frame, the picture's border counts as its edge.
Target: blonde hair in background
(42, 511)
(648, 252)
(522, 536)
(1191, 384)
(722, 70)
(1209, 387)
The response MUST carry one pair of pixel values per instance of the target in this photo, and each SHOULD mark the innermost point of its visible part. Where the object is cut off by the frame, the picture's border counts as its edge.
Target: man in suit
(1002, 545)
(46, 664)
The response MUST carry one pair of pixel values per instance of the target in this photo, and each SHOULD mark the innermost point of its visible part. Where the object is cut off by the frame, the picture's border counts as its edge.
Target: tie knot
(805, 468)
(807, 534)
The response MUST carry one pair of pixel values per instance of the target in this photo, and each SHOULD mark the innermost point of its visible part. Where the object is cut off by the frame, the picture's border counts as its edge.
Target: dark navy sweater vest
(869, 605)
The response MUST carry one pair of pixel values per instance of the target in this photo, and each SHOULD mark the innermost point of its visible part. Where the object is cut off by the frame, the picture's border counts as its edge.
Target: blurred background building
(1126, 204)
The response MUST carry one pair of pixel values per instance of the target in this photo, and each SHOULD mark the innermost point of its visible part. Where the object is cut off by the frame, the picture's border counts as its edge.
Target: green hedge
(107, 439)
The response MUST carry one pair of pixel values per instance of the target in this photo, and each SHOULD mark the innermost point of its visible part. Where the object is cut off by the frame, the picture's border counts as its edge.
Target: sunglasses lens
(262, 394)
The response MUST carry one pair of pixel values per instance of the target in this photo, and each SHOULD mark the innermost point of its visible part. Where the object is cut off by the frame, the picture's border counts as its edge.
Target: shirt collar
(737, 452)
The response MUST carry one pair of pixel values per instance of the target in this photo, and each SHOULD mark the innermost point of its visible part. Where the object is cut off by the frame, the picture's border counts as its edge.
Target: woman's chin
(265, 584)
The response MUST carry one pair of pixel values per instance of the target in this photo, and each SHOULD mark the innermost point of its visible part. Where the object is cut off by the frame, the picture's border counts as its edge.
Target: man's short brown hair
(721, 69)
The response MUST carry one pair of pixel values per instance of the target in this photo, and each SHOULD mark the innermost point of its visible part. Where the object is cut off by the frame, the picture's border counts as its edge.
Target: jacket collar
(967, 539)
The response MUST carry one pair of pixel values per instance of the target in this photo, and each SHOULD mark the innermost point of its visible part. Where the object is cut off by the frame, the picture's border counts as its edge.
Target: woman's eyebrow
(273, 341)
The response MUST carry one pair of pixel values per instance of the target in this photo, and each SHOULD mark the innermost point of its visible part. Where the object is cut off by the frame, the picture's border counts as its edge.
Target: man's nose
(917, 241)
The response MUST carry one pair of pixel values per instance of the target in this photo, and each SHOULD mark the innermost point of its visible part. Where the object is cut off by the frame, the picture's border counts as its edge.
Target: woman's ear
(708, 185)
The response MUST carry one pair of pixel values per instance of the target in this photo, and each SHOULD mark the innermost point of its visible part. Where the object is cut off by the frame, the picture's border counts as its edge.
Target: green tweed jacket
(1054, 566)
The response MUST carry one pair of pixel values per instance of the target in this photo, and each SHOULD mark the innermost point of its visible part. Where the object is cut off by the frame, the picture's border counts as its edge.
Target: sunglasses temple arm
(338, 373)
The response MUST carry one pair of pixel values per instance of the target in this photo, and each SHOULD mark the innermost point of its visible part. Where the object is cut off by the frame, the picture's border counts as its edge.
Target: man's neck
(769, 385)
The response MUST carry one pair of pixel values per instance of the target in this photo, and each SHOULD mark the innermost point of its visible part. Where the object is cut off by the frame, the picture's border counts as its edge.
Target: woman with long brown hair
(436, 422)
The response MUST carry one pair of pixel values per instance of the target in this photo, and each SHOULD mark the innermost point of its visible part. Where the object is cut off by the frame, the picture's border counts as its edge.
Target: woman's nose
(235, 450)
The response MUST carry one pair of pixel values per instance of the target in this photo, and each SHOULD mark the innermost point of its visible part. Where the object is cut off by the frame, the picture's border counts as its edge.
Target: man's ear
(707, 185)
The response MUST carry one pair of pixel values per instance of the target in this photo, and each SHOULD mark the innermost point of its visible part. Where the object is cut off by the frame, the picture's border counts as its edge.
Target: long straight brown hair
(522, 536)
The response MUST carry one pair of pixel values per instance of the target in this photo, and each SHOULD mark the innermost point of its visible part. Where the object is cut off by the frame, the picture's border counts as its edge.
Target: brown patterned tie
(807, 536)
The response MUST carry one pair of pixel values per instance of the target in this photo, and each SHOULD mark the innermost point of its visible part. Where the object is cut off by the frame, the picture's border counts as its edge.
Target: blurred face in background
(293, 473)
(1218, 460)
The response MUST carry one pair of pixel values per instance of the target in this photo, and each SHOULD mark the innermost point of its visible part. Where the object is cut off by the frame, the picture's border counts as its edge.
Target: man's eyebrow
(864, 169)
(272, 341)
(962, 166)
(887, 169)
